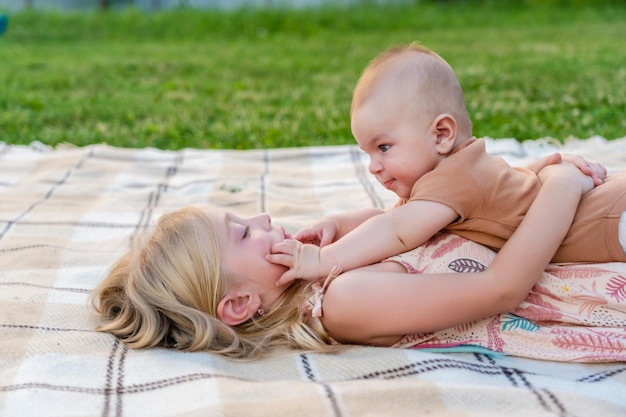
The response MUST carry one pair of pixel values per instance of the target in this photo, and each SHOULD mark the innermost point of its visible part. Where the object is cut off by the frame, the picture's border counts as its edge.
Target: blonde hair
(421, 77)
(165, 292)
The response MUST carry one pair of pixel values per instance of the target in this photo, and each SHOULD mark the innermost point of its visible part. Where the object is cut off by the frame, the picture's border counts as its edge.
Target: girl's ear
(445, 128)
(236, 308)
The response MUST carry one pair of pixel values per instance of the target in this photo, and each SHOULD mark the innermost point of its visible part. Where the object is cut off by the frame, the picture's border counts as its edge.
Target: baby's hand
(321, 233)
(302, 259)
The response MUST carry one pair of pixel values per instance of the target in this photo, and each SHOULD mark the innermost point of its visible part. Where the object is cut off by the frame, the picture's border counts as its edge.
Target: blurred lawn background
(279, 78)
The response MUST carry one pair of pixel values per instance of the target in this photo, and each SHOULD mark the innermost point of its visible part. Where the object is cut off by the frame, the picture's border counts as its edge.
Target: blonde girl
(202, 281)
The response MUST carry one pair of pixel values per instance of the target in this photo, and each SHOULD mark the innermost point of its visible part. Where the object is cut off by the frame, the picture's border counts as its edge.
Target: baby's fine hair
(165, 291)
(421, 76)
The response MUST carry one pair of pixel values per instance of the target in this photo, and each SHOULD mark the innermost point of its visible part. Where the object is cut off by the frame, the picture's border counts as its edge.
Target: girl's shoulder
(353, 301)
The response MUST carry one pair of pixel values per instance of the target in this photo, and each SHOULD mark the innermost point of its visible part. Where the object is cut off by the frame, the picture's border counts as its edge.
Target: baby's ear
(445, 128)
(236, 308)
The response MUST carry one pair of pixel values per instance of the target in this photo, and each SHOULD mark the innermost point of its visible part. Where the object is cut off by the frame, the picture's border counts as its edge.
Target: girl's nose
(264, 220)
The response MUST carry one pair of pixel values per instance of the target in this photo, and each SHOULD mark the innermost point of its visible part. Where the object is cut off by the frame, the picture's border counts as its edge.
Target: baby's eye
(246, 232)
(384, 148)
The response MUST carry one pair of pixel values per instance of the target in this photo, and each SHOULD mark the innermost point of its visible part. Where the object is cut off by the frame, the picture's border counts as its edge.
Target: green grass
(276, 78)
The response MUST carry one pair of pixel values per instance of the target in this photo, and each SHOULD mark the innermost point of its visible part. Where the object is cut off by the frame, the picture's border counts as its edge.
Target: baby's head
(168, 289)
(415, 82)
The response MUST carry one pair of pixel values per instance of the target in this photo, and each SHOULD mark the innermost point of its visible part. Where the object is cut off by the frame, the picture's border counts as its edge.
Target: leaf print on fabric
(465, 327)
(576, 271)
(539, 312)
(436, 239)
(448, 247)
(511, 322)
(535, 298)
(535, 307)
(540, 289)
(616, 288)
(494, 341)
(590, 300)
(415, 339)
(410, 269)
(580, 340)
(466, 265)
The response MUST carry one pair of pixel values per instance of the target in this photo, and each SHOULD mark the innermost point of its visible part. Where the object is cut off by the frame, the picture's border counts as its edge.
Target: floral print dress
(576, 312)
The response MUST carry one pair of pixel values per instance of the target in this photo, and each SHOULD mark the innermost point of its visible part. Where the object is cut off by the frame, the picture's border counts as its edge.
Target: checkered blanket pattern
(67, 213)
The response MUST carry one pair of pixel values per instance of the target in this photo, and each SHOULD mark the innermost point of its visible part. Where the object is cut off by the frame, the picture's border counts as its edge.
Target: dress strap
(313, 306)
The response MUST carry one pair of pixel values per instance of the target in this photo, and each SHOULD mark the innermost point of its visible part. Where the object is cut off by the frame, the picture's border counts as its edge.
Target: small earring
(260, 311)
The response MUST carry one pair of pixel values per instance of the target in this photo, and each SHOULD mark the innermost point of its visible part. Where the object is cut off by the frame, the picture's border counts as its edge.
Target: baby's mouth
(387, 184)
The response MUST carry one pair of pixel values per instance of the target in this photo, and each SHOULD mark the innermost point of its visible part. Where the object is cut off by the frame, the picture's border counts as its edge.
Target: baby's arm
(393, 304)
(335, 226)
(398, 230)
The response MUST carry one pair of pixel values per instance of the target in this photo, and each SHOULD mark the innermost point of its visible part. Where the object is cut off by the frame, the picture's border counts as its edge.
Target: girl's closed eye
(246, 232)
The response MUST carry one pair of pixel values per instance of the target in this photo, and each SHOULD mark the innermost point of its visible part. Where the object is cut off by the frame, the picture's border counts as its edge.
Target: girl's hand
(596, 171)
(303, 261)
(321, 233)
(568, 173)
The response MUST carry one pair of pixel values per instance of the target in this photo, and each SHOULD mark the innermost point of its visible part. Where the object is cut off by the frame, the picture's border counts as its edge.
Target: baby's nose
(374, 166)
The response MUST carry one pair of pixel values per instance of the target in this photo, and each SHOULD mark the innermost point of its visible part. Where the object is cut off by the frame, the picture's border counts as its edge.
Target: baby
(409, 115)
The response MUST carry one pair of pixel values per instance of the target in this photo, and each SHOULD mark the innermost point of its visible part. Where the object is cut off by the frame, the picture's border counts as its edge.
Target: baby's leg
(622, 231)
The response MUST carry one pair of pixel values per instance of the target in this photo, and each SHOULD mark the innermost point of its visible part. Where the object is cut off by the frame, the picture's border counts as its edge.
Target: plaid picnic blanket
(66, 214)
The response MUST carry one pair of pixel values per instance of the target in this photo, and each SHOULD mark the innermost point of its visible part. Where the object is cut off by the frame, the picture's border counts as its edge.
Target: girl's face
(244, 244)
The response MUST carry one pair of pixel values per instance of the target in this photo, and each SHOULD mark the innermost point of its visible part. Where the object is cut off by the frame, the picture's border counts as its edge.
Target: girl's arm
(372, 307)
